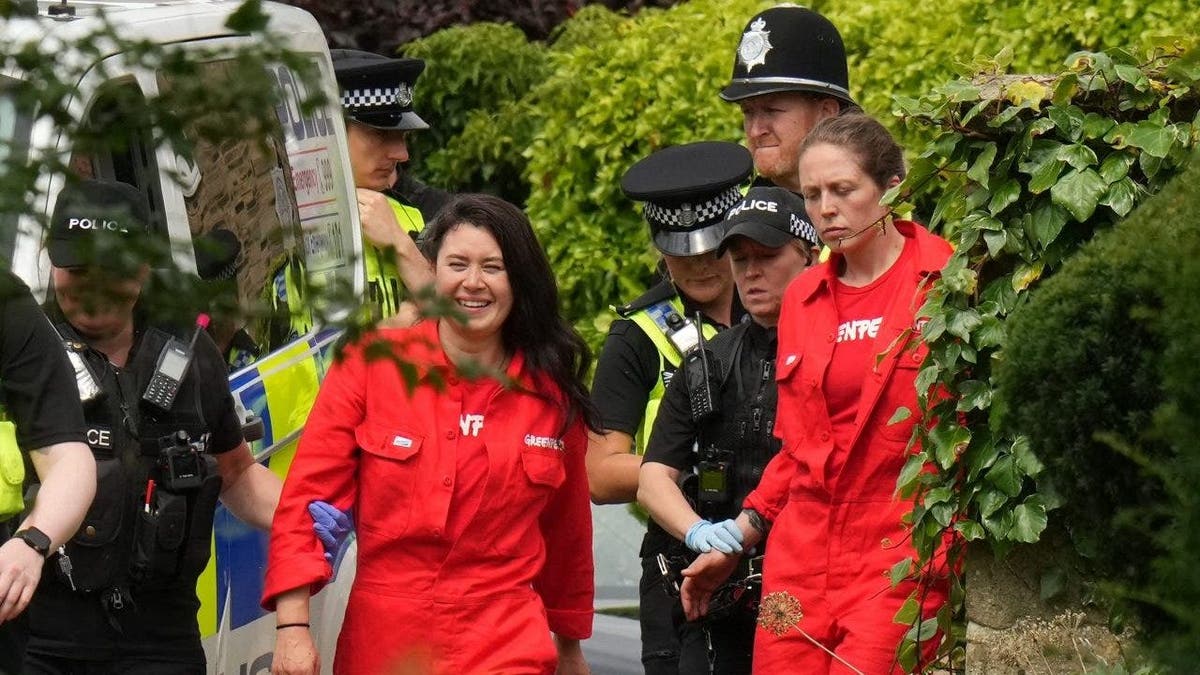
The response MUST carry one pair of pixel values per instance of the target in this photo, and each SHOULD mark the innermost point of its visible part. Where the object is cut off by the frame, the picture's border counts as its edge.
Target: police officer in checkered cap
(377, 94)
(789, 72)
(687, 190)
(377, 101)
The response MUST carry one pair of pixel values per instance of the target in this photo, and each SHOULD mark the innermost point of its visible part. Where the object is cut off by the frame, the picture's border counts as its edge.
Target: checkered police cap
(687, 190)
(377, 90)
(688, 216)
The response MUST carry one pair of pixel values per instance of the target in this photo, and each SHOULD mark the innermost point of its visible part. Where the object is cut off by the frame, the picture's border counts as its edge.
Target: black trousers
(671, 645)
(13, 635)
(37, 664)
(732, 640)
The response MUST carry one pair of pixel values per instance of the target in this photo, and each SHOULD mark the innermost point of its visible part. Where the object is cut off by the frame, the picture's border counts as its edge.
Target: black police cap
(771, 216)
(376, 90)
(789, 48)
(688, 189)
(91, 210)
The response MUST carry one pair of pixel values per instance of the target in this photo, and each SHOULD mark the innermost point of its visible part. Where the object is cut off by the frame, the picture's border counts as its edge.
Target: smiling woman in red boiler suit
(470, 498)
(849, 353)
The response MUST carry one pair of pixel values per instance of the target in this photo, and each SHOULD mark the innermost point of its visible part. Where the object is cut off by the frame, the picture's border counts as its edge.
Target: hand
(379, 225)
(332, 527)
(295, 653)
(704, 536)
(20, 571)
(701, 578)
(570, 657)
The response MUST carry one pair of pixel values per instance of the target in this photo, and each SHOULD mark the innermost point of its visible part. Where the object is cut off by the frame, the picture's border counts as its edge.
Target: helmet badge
(755, 44)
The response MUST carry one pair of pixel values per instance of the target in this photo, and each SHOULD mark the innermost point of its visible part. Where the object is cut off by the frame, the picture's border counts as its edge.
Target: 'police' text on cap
(687, 190)
(771, 216)
(89, 210)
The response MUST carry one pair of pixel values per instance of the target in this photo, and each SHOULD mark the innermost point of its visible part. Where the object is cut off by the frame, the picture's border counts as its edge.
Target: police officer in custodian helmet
(789, 72)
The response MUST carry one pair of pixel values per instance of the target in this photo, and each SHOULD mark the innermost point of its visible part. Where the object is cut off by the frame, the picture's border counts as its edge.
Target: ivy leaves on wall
(1020, 172)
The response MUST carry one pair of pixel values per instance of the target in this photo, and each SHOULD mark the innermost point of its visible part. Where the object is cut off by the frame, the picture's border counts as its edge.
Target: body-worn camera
(713, 472)
(181, 463)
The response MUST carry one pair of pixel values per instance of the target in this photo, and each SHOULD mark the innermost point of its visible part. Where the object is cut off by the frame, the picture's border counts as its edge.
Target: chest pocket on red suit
(787, 417)
(900, 391)
(543, 468)
(387, 477)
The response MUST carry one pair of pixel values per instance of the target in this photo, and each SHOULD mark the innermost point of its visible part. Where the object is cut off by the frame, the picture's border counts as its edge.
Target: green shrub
(611, 88)
(481, 68)
(610, 102)
(1082, 358)
(1101, 350)
(1021, 172)
(1173, 584)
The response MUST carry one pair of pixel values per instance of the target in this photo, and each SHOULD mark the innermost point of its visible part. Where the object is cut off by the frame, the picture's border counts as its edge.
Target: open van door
(286, 197)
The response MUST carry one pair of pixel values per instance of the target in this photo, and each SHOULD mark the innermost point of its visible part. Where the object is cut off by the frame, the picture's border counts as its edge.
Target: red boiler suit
(836, 522)
(474, 530)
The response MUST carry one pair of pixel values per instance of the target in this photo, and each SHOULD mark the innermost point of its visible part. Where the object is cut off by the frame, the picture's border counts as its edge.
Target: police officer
(40, 412)
(377, 100)
(121, 597)
(687, 190)
(789, 72)
(721, 457)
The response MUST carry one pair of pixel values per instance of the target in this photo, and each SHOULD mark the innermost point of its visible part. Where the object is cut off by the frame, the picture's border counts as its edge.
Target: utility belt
(144, 535)
(741, 593)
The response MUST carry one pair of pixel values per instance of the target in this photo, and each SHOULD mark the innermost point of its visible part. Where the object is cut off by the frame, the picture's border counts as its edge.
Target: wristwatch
(36, 539)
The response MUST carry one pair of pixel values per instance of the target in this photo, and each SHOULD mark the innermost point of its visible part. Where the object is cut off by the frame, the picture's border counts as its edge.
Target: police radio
(173, 362)
(697, 372)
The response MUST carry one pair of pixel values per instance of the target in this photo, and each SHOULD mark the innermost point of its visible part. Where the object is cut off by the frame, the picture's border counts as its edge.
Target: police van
(288, 199)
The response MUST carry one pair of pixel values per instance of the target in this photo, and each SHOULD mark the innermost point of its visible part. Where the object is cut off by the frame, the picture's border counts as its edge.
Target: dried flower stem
(781, 611)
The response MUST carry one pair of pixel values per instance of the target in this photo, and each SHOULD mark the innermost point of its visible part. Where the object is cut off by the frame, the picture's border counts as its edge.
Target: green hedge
(608, 89)
(1100, 372)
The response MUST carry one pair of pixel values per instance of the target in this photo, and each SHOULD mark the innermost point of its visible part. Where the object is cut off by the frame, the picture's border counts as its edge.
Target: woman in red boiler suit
(470, 496)
(849, 353)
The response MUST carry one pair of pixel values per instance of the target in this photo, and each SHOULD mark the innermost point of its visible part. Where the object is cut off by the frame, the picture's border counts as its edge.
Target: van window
(117, 145)
(245, 226)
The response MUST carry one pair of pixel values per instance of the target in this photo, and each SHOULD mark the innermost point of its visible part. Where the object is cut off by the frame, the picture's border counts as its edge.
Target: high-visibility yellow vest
(669, 360)
(384, 286)
(12, 469)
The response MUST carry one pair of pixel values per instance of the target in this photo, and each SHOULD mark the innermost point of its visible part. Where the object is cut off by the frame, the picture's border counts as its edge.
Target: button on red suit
(837, 528)
(470, 589)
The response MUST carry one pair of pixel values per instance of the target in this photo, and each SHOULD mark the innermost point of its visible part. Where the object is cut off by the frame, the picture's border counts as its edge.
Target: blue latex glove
(704, 536)
(332, 526)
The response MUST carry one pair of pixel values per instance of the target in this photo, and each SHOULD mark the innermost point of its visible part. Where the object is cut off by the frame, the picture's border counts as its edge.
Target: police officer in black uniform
(719, 456)
(377, 101)
(42, 422)
(687, 190)
(121, 596)
(789, 72)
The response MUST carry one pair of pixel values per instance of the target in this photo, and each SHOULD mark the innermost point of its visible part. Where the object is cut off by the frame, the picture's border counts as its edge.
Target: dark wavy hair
(535, 325)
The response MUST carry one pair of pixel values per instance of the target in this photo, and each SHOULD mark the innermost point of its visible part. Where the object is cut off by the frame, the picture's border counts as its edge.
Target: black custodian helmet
(789, 48)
